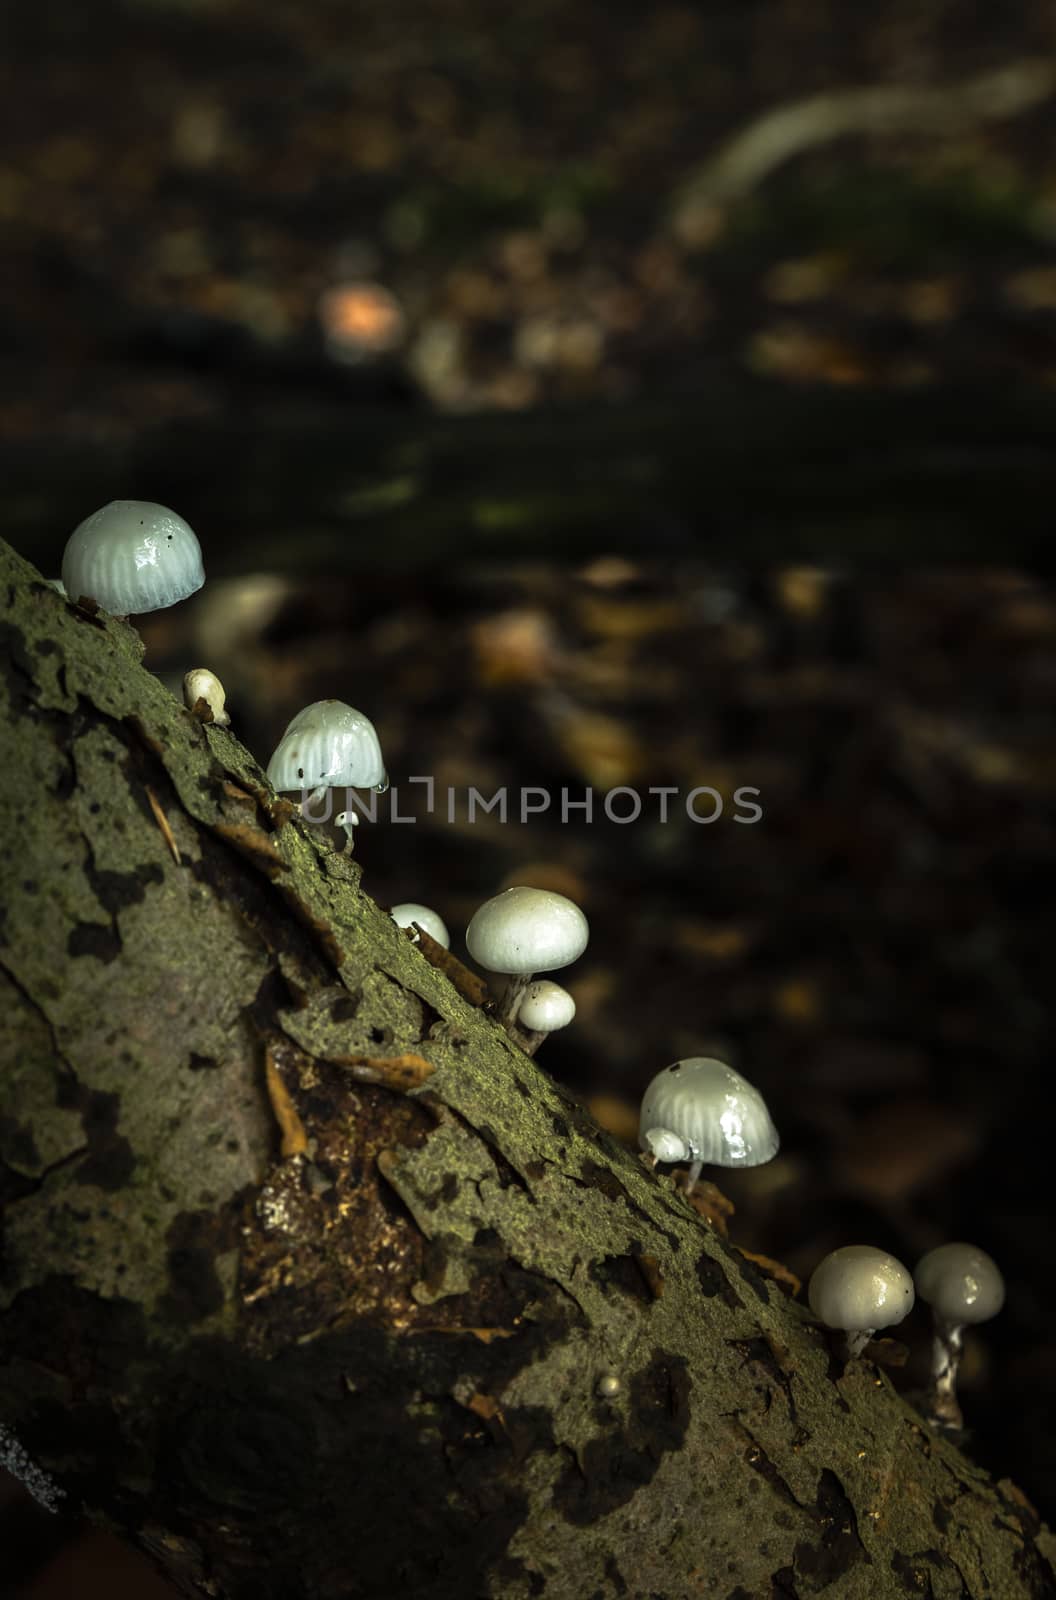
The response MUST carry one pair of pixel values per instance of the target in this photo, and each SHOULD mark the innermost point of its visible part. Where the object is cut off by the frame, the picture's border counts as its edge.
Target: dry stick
(788, 130)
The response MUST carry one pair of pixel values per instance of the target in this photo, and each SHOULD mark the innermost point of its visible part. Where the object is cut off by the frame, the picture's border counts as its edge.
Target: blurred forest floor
(211, 210)
(208, 205)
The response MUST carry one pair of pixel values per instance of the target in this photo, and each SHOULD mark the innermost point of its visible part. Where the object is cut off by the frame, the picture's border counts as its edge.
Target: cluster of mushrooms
(135, 556)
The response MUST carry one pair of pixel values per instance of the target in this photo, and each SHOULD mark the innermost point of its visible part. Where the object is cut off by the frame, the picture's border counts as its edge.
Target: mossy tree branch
(370, 1366)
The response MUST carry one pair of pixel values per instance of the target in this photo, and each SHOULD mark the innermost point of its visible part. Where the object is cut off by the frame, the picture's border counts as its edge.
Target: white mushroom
(523, 931)
(859, 1289)
(961, 1284)
(409, 912)
(132, 556)
(329, 745)
(201, 684)
(701, 1111)
(544, 1008)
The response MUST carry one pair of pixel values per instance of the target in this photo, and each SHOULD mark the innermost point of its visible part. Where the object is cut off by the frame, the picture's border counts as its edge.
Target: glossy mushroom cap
(545, 1007)
(720, 1117)
(960, 1283)
(409, 911)
(858, 1288)
(527, 930)
(132, 556)
(328, 745)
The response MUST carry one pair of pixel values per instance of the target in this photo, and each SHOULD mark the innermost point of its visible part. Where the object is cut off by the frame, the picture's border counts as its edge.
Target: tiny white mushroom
(347, 820)
(962, 1285)
(329, 745)
(702, 1111)
(201, 684)
(608, 1385)
(410, 912)
(523, 931)
(858, 1290)
(544, 1009)
(132, 556)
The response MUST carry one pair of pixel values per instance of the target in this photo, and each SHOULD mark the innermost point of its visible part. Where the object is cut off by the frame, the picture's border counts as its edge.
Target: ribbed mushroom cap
(720, 1117)
(409, 911)
(527, 930)
(960, 1283)
(859, 1288)
(132, 556)
(546, 1007)
(328, 745)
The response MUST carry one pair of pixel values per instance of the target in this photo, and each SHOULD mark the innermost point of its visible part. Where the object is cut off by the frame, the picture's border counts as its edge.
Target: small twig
(784, 131)
(163, 823)
(469, 985)
(294, 1138)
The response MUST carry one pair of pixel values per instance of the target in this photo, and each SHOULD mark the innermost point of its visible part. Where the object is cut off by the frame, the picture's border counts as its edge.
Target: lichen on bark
(372, 1366)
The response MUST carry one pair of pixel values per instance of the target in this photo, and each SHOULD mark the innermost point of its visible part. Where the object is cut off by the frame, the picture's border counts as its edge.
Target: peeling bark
(382, 1363)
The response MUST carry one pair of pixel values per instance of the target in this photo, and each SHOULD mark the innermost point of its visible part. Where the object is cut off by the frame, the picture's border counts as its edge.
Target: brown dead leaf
(401, 1073)
(709, 1202)
(616, 1116)
(773, 1269)
(899, 1148)
(603, 751)
(484, 1405)
(514, 647)
(649, 1267)
(252, 843)
(233, 791)
(612, 618)
(294, 1138)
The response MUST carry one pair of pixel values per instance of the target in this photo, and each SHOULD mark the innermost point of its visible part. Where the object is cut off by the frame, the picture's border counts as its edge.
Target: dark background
(428, 309)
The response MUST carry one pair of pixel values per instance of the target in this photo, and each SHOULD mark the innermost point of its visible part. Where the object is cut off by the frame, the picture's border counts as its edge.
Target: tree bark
(298, 1333)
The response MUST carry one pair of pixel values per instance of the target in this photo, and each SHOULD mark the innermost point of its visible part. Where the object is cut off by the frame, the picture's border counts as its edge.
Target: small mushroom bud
(201, 684)
(544, 1009)
(702, 1111)
(132, 556)
(662, 1145)
(409, 912)
(857, 1290)
(523, 931)
(962, 1285)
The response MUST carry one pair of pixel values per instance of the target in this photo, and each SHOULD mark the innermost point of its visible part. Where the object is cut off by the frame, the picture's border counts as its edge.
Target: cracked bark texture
(371, 1368)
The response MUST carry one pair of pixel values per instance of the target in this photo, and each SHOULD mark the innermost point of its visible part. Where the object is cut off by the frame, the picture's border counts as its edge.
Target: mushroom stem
(943, 1409)
(854, 1342)
(531, 1039)
(348, 820)
(309, 800)
(511, 1000)
(693, 1175)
